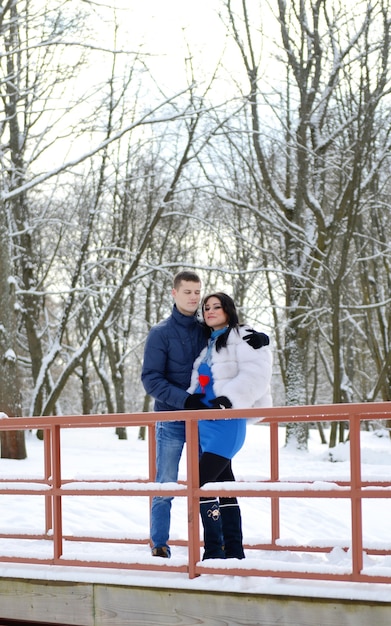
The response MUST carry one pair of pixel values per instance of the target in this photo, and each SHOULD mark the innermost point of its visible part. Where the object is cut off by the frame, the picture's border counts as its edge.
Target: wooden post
(193, 500)
(356, 502)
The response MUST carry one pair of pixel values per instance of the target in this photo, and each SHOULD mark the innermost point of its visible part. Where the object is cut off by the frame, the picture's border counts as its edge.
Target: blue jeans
(170, 438)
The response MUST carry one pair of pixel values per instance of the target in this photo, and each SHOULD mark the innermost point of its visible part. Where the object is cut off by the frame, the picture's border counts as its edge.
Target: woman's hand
(221, 402)
(256, 340)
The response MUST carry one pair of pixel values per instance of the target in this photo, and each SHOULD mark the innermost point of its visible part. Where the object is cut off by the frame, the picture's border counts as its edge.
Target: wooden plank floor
(88, 604)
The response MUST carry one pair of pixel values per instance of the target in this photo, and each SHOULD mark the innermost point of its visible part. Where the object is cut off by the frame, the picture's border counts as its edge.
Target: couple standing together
(193, 364)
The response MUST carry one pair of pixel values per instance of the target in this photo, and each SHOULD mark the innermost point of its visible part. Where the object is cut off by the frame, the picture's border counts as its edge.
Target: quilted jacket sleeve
(155, 375)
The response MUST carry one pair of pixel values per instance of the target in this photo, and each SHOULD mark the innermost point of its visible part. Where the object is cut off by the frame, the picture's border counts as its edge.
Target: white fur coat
(240, 372)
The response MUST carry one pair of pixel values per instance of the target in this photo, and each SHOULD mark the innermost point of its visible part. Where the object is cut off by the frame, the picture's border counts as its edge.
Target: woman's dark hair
(229, 308)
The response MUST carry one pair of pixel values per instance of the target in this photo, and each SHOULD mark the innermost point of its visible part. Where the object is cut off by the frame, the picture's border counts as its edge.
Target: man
(170, 351)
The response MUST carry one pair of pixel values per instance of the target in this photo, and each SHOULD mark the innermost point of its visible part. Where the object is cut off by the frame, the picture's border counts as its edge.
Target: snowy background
(98, 453)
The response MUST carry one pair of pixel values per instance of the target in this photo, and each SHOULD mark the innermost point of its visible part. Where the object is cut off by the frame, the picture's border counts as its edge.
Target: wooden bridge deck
(98, 604)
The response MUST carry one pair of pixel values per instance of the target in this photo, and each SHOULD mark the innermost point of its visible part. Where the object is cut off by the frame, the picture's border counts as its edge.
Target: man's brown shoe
(162, 551)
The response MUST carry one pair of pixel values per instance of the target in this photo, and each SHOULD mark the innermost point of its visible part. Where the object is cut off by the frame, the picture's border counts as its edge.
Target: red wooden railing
(53, 487)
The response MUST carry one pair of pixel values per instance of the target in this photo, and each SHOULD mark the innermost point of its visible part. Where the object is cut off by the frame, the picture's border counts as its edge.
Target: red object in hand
(203, 379)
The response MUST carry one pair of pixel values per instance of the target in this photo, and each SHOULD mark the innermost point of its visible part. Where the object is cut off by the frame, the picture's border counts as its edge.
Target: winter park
(246, 144)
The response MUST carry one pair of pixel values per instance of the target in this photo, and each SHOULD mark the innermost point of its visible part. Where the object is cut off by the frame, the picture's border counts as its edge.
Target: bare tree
(317, 160)
(73, 282)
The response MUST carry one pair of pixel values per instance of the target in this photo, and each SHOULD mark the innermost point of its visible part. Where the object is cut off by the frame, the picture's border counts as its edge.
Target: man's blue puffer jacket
(170, 351)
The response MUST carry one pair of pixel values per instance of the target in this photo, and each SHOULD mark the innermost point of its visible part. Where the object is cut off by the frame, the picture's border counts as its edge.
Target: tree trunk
(12, 442)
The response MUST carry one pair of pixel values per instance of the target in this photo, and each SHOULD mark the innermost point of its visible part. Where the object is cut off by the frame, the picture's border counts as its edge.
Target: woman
(228, 373)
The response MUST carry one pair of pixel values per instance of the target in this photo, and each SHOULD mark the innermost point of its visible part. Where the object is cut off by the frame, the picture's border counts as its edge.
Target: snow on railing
(53, 487)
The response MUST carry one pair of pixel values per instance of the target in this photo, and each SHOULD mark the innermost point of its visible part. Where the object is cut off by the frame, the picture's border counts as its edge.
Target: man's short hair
(187, 276)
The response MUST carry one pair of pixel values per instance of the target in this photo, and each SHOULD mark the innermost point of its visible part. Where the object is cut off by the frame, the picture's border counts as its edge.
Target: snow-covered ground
(98, 453)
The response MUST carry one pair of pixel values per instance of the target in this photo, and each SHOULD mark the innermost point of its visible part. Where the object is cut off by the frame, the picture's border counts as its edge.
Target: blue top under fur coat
(240, 373)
